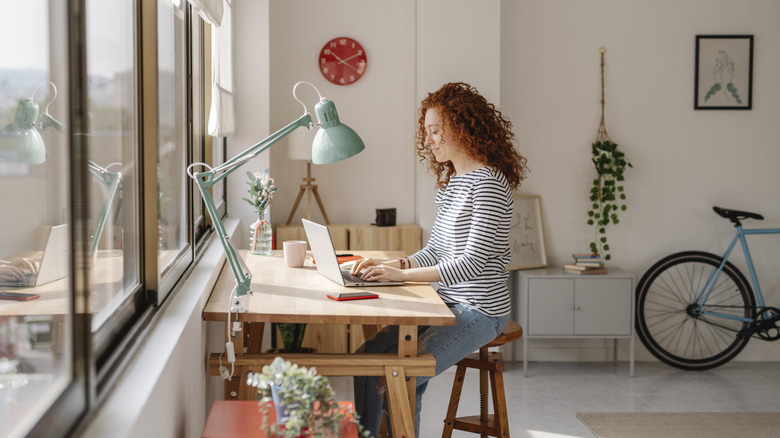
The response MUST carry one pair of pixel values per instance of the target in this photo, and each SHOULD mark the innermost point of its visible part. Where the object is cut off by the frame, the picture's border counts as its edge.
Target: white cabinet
(549, 303)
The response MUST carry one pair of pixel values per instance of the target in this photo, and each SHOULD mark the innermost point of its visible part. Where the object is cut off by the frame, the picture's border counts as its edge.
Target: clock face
(342, 61)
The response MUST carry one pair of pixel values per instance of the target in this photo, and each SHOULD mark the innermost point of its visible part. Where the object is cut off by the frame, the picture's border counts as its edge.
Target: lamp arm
(112, 181)
(206, 179)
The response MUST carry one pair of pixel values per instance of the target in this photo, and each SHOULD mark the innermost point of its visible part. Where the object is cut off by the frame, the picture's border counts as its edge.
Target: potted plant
(304, 403)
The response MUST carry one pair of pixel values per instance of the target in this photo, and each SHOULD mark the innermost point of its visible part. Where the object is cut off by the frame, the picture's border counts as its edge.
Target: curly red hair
(478, 127)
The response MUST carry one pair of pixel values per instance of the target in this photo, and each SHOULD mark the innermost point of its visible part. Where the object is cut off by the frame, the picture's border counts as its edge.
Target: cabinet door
(603, 306)
(338, 233)
(405, 237)
(550, 305)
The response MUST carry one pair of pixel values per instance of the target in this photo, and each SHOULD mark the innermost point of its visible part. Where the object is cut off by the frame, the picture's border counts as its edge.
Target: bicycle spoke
(668, 320)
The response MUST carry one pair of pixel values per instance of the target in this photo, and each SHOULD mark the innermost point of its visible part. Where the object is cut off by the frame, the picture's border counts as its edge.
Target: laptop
(327, 263)
(54, 261)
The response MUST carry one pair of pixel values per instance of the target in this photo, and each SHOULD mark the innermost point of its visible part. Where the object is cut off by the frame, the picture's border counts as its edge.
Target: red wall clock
(342, 61)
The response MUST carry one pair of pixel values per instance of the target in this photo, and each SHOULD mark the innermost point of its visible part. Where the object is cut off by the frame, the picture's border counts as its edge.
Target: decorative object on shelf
(305, 402)
(261, 193)
(724, 72)
(342, 61)
(607, 194)
(333, 142)
(586, 264)
(526, 234)
(385, 217)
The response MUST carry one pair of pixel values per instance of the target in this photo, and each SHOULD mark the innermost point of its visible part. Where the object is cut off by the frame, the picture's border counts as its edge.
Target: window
(102, 209)
(36, 351)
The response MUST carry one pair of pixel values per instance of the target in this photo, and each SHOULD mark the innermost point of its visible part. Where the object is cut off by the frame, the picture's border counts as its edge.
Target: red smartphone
(353, 296)
(19, 296)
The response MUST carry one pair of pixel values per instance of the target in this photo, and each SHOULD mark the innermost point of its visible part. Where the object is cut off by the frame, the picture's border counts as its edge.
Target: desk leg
(407, 347)
(401, 412)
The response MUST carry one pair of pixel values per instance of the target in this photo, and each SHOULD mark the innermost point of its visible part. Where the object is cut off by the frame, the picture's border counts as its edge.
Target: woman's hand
(381, 272)
(17, 269)
(374, 270)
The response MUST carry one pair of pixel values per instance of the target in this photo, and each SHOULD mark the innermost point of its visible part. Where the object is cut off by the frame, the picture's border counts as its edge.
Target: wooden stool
(488, 363)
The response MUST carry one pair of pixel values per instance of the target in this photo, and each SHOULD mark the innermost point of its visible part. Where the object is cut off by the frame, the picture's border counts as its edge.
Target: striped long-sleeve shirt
(469, 243)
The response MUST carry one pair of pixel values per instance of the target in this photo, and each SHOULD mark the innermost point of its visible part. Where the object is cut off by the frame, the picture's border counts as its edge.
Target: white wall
(379, 107)
(458, 41)
(685, 161)
(252, 107)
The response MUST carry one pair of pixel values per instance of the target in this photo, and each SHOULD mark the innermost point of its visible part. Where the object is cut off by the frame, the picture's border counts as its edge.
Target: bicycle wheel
(665, 318)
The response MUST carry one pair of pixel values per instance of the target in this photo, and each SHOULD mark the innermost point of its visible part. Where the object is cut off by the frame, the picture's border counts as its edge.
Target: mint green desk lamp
(333, 142)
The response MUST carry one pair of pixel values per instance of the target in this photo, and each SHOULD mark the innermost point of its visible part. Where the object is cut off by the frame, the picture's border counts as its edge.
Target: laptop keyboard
(351, 278)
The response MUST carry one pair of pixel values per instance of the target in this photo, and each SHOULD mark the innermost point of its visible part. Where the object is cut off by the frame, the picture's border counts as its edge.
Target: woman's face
(442, 143)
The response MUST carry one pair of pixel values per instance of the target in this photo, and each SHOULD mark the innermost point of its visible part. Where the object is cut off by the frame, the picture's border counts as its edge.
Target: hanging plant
(607, 194)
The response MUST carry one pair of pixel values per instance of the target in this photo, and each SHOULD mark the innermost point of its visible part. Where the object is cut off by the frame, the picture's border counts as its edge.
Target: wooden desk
(298, 295)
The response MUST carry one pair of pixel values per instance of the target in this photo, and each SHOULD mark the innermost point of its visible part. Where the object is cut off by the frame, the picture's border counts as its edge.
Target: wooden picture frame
(724, 72)
(526, 234)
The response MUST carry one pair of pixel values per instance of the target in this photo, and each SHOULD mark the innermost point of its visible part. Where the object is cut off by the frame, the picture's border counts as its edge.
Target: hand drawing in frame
(724, 72)
(526, 235)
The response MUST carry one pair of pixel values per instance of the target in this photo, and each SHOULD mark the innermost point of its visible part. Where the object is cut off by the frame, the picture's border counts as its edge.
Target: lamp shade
(334, 141)
(20, 141)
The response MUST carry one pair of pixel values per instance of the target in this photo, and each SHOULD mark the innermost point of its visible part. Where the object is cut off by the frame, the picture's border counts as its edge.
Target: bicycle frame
(705, 293)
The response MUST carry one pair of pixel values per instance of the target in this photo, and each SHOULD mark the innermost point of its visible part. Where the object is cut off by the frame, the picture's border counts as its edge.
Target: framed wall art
(526, 234)
(724, 72)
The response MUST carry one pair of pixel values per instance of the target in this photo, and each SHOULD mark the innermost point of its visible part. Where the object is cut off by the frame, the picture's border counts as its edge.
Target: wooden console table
(298, 295)
(357, 237)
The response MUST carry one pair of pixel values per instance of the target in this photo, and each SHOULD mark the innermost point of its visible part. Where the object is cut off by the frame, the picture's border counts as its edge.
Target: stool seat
(512, 332)
(490, 365)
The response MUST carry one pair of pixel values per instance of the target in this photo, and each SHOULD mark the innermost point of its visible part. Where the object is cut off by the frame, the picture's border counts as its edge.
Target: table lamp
(22, 142)
(334, 141)
(299, 148)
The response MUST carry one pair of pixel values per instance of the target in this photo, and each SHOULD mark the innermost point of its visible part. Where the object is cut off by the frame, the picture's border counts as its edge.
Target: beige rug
(681, 424)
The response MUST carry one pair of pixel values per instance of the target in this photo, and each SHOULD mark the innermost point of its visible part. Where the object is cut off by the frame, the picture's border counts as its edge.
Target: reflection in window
(35, 351)
(172, 88)
(113, 188)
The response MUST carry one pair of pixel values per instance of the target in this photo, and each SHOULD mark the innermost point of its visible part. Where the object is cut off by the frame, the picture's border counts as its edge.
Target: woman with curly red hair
(467, 144)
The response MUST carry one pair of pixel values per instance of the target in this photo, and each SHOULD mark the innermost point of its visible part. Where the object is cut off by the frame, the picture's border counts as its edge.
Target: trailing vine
(607, 194)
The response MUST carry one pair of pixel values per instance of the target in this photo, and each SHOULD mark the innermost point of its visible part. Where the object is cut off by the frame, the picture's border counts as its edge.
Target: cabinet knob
(576, 307)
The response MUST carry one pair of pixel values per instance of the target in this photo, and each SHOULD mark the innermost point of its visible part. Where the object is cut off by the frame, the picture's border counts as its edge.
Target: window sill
(163, 391)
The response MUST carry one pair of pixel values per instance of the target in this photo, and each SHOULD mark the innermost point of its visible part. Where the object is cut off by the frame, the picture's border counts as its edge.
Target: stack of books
(585, 264)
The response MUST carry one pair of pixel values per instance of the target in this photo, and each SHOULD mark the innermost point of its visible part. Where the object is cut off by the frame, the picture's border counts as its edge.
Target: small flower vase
(260, 235)
(281, 411)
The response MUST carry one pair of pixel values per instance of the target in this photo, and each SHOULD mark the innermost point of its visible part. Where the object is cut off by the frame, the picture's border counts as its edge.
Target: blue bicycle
(696, 310)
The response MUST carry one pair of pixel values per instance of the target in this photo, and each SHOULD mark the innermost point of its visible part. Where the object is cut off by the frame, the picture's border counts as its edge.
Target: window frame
(99, 358)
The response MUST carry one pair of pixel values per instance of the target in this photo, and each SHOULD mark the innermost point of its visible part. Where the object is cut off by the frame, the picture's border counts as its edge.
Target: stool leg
(499, 404)
(483, 394)
(452, 409)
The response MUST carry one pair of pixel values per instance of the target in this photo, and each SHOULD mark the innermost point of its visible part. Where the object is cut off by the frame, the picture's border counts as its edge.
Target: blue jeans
(447, 344)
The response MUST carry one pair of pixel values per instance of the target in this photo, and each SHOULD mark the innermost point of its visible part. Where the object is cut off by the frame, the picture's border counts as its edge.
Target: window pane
(114, 195)
(35, 351)
(172, 88)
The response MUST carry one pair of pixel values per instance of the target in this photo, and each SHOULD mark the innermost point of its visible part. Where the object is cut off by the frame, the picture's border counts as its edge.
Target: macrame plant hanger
(601, 134)
(607, 191)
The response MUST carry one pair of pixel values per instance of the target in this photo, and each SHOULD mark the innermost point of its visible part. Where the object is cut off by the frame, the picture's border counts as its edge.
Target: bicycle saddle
(736, 215)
